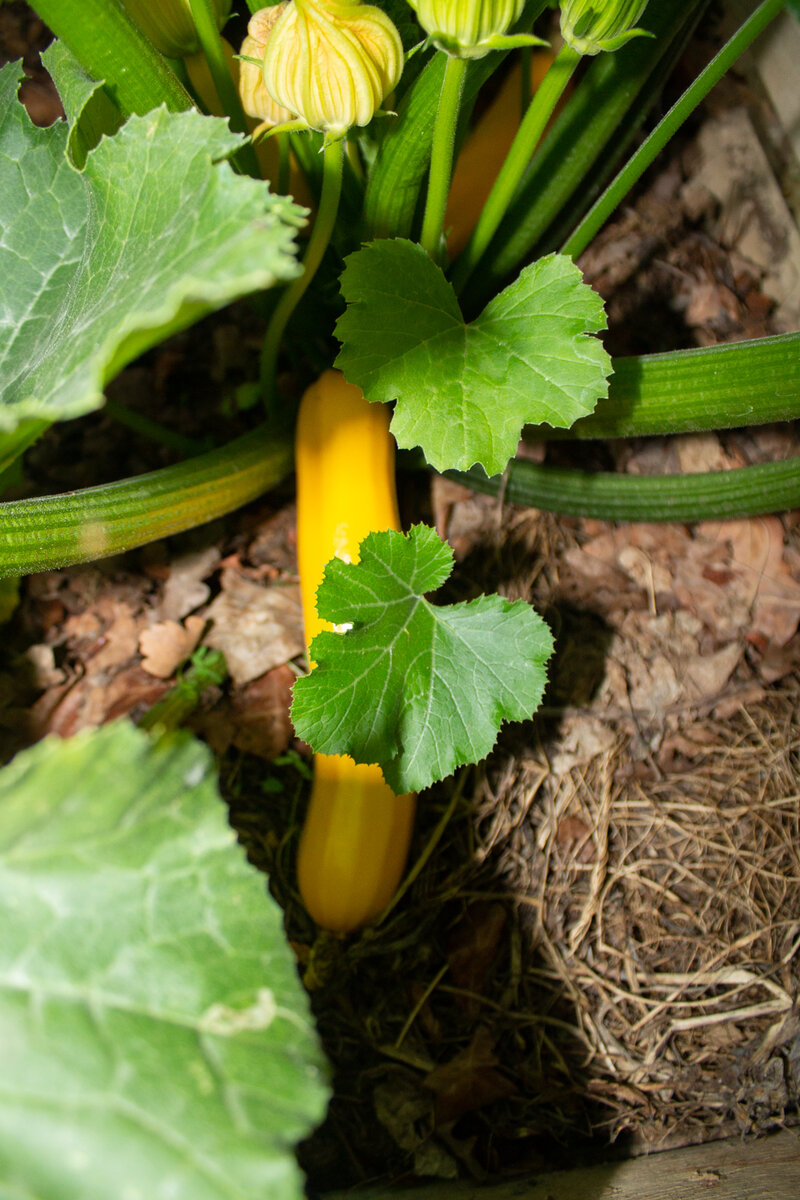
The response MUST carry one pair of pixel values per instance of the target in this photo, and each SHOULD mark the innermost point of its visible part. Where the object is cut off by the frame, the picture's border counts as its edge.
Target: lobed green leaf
(418, 688)
(464, 391)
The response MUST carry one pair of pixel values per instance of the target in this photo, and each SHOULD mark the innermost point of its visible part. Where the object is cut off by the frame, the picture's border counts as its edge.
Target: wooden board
(767, 1168)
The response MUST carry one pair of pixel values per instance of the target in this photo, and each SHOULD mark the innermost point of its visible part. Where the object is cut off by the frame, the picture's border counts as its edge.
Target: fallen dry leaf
(473, 947)
(469, 1081)
(737, 579)
(165, 645)
(184, 589)
(582, 737)
(260, 714)
(256, 628)
(119, 643)
(576, 838)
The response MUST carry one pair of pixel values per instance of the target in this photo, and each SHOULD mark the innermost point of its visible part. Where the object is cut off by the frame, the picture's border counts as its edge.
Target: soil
(600, 948)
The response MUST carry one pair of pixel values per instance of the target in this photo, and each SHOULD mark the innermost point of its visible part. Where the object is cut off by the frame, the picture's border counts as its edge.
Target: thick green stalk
(713, 495)
(207, 668)
(110, 47)
(211, 44)
(668, 126)
(56, 531)
(333, 157)
(519, 156)
(715, 387)
(444, 136)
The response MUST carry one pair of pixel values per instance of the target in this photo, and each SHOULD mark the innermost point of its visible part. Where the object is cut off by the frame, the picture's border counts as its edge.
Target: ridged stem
(109, 46)
(713, 387)
(594, 127)
(57, 531)
(713, 495)
(444, 136)
(211, 44)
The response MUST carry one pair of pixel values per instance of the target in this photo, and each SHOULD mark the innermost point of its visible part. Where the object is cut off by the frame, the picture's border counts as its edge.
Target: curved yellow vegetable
(355, 840)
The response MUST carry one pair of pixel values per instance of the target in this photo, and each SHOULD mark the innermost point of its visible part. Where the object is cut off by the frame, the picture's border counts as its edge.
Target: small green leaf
(156, 1042)
(418, 688)
(98, 266)
(464, 391)
(91, 113)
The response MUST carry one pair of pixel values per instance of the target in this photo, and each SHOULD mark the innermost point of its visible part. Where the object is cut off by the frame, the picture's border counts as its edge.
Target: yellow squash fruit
(355, 840)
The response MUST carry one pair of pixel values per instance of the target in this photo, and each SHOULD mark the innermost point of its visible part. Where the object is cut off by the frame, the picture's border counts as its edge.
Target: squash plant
(142, 212)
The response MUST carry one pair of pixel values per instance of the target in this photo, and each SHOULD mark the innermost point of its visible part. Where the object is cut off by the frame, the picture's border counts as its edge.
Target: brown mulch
(601, 948)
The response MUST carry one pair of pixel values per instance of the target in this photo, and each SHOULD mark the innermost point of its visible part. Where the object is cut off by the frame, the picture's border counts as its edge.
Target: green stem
(284, 164)
(206, 668)
(712, 495)
(151, 430)
(525, 60)
(713, 387)
(396, 177)
(444, 134)
(516, 163)
(668, 126)
(211, 45)
(317, 245)
(57, 531)
(109, 46)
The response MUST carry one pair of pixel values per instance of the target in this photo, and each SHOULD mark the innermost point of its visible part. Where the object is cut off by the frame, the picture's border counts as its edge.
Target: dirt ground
(600, 942)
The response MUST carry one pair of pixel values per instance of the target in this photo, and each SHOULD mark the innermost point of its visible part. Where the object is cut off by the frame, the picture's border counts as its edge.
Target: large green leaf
(464, 391)
(420, 689)
(99, 265)
(155, 1043)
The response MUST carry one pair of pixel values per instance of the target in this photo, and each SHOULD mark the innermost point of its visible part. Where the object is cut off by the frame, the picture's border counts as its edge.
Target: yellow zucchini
(356, 835)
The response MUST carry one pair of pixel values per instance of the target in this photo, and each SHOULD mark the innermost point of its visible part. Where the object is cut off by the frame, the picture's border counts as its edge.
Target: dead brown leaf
(469, 1081)
(256, 628)
(184, 589)
(260, 713)
(737, 580)
(119, 643)
(474, 944)
(165, 645)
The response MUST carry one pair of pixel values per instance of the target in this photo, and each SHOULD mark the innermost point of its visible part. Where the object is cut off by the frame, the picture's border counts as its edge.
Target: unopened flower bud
(168, 23)
(256, 100)
(471, 28)
(333, 62)
(591, 26)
